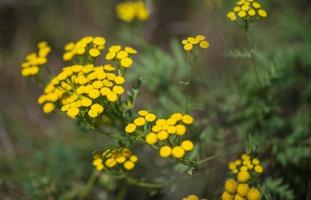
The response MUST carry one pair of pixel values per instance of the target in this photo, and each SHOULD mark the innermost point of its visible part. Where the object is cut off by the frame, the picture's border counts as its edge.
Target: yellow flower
(128, 11)
(73, 112)
(192, 42)
(231, 186)
(129, 165)
(243, 189)
(238, 197)
(126, 62)
(162, 135)
(191, 197)
(134, 158)
(111, 96)
(187, 119)
(151, 138)
(187, 145)
(165, 151)
(226, 196)
(188, 47)
(258, 169)
(204, 44)
(130, 128)
(262, 13)
(180, 129)
(140, 121)
(178, 152)
(48, 107)
(94, 52)
(243, 176)
(253, 194)
(150, 117)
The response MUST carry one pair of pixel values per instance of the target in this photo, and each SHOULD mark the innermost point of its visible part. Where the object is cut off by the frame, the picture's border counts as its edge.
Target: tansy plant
(244, 181)
(245, 12)
(90, 89)
(129, 11)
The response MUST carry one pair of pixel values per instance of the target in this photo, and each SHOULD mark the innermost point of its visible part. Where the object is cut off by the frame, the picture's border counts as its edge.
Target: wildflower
(130, 10)
(226, 196)
(111, 158)
(191, 197)
(231, 186)
(151, 138)
(88, 46)
(187, 145)
(163, 129)
(80, 88)
(243, 176)
(197, 41)
(239, 187)
(130, 128)
(246, 12)
(243, 189)
(34, 61)
(116, 53)
(165, 151)
(253, 194)
(178, 152)
(258, 169)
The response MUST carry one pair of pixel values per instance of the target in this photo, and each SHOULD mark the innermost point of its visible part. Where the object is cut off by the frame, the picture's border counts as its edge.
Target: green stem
(142, 183)
(89, 185)
(252, 57)
(205, 160)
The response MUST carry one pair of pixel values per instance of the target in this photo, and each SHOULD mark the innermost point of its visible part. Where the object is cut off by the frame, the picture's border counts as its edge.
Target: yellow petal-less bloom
(48, 108)
(258, 169)
(243, 176)
(187, 145)
(111, 158)
(129, 165)
(132, 10)
(262, 13)
(178, 152)
(34, 61)
(150, 117)
(238, 197)
(226, 196)
(243, 189)
(231, 186)
(191, 197)
(130, 128)
(192, 42)
(165, 151)
(151, 138)
(253, 194)
(140, 121)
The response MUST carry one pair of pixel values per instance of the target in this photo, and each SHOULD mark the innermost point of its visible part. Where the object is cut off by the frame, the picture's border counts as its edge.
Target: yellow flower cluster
(163, 131)
(192, 42)
(130, 10)
(91, 46)
(33, 62)
(191, 197)
(120, 55)
(246, 10)
(113, 158)
(240, 189)
(82, 89)
(245, 164)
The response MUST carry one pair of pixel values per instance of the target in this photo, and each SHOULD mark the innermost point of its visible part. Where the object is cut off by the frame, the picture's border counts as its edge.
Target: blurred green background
(48, 157)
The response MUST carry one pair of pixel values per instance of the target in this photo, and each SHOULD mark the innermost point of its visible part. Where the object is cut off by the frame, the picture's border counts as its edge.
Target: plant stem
(142, 183)
(205, 159)
(89, 185)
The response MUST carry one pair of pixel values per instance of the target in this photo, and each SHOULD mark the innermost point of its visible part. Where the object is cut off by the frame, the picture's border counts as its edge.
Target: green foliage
(275, 188)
